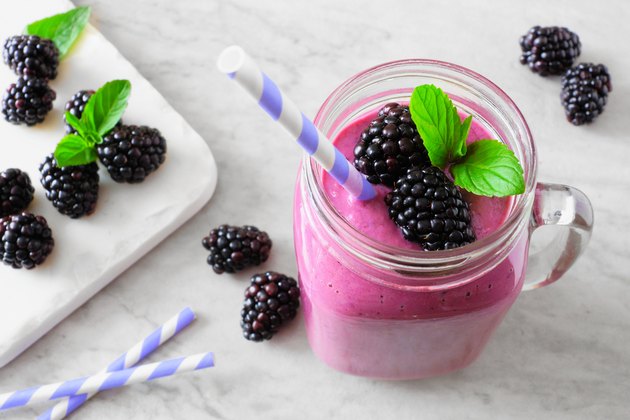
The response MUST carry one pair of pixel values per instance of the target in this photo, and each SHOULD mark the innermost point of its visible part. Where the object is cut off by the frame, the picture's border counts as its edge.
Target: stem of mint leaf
(463, 134)
(101, 113)
(485, 167)
(62, 29)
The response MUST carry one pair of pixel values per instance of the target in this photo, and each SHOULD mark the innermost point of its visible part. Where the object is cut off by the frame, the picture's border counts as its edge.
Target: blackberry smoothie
(378, 306)
(372, 319)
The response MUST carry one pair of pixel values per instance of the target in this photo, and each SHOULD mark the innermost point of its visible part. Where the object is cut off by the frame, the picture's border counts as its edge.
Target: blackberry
(585, 89)
(234, 248)
(271, 300)
(16, 191)
(75, 106)
(30, 55)
(389, 146)
(25, 240)
(549, 50)
(27, 101)
(130, 152)
(73, 190)
(430, 210)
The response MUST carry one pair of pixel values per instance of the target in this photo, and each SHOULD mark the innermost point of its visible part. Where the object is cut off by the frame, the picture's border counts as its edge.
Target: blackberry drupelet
(30, 55)
(73, 190)
(16, 191)
(25, 240)
(75, 106)
(549, 50)
(585, 90)
(130, 152)
(271, 300)
(27, 101)
(430, 210)
(389, 146)
(233, 248)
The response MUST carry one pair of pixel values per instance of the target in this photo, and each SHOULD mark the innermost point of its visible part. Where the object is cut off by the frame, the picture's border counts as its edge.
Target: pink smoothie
(361, 320)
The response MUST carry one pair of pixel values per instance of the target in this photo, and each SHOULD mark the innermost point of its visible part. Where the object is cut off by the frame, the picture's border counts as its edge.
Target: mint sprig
(102, 112)
(485, 167)
(62, 29)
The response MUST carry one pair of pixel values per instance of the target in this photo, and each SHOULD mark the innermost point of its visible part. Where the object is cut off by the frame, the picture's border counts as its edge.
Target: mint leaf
(74, 122)
(439, 125)
(105, 108)
(490, 169)
(72, 150)
(63, 29)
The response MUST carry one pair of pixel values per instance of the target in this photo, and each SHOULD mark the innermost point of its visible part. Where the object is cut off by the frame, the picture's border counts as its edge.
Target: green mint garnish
(489, 168)
(73, 150)
(102, 112)
(104, 109)
(485, 167)
(442, 131)
(62, 29)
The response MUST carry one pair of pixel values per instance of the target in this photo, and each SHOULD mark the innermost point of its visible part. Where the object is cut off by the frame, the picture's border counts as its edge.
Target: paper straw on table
(135, 354)
(241, 68)
(105, 381)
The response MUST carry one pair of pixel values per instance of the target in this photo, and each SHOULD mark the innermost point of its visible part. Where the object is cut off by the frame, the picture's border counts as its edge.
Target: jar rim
(428, 261)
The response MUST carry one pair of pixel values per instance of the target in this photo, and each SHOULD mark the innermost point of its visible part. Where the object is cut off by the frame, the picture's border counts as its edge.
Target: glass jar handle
(571, 214)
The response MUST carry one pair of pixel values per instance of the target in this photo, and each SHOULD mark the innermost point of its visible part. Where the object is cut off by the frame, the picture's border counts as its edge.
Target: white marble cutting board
(129, 219)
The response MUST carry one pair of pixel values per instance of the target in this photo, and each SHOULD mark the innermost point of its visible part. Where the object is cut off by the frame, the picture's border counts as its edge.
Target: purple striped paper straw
(105, 381)
(135, 354)
(241, 68)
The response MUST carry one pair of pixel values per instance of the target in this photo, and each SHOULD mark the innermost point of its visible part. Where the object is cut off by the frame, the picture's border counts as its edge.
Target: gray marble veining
(561, 352)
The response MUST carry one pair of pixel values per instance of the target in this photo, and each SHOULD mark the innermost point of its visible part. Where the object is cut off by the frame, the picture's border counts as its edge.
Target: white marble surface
(561, 353)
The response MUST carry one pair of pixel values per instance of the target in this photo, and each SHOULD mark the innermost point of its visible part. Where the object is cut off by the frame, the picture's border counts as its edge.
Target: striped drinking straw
(241, 68)
(134, 355)
(105, 381)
